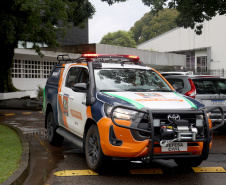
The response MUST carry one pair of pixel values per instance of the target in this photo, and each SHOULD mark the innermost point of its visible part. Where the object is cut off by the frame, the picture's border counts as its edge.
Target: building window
(202, 64)
(190, 60)
(31, 69)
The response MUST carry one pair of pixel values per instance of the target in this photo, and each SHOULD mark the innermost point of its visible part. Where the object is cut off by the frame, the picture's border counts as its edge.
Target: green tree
(119, 38)
(38, 21)
(150, 25)
(192, 13)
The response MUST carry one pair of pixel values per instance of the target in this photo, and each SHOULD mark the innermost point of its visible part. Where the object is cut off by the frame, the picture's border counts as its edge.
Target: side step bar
(71, 137)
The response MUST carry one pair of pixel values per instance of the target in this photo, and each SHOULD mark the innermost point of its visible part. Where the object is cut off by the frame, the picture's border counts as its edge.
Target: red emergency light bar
(109, 56)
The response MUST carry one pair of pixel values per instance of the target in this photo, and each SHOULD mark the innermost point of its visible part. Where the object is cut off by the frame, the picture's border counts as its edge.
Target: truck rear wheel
(54, 138)
(188, 162)
(93, 151)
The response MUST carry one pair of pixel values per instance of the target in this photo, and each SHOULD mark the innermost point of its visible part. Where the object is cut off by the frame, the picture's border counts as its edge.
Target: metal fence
(213, 72)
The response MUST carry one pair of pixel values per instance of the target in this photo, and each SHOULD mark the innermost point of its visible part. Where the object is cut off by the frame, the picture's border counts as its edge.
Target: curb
(21, 104)
(22, 172)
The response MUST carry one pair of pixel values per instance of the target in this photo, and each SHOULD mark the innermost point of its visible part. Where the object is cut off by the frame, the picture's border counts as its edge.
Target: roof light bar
(132, 56)
(110, 56)
(90, 55)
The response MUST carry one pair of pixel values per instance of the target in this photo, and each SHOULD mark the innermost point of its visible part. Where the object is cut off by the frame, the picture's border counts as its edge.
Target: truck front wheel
(54, 138)
(93, 151)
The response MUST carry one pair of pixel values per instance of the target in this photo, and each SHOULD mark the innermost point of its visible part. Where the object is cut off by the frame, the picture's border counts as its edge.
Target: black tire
(93, 151)
(54, 138)
(188, 162)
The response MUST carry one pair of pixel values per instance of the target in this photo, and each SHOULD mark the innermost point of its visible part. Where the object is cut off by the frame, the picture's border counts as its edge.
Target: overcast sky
(120, 16)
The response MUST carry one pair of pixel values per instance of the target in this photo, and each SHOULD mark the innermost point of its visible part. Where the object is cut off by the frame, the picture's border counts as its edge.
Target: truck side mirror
(79, 87)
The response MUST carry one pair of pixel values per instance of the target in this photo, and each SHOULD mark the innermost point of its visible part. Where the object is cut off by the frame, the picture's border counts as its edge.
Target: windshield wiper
(139, 90)
(161, 90)
(107, 90)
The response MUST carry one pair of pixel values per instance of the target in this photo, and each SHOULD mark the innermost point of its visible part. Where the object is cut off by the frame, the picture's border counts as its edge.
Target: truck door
(74, 103)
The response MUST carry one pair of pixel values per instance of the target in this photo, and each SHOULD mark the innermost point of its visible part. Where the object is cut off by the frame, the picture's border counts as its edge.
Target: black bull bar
(207, 131)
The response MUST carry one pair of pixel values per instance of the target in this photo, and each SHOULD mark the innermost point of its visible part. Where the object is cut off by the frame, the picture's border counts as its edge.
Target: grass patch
(10, 152)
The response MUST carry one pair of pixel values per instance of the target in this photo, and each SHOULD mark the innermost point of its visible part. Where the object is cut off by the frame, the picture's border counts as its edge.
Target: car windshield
(129, 80)
(210, 86)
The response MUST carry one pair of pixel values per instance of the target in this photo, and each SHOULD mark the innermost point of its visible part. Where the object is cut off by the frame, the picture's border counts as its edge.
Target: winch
(178, 131)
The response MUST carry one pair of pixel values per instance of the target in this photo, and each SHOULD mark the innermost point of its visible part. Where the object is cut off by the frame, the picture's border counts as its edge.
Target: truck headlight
(120, 113)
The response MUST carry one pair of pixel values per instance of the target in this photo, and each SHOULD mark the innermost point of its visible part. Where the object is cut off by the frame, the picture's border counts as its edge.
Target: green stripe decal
(137, 105)
(192, 104)
(44, 100)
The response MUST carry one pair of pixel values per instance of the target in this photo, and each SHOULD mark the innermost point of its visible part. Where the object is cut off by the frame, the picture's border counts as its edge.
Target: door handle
(71, 97)
(61, 94)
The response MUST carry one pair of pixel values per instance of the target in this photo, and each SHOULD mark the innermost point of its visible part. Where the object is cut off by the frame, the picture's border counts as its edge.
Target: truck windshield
(129, 80)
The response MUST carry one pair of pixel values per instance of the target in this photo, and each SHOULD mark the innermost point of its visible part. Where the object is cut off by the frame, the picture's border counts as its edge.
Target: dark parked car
(209, 90)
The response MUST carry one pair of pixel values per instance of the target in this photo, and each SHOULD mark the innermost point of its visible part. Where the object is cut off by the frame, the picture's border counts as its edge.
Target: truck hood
(152, 100)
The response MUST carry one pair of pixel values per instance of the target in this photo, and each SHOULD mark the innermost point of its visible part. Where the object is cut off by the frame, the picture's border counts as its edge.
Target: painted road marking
(10, 114)
(209, 169)
(139, 171)
(75, 173)
(146, 171)
(26, 112)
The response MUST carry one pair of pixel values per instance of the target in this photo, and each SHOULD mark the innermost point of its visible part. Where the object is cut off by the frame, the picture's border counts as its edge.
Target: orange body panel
(60, 99)
(210, 126)
(130, 147)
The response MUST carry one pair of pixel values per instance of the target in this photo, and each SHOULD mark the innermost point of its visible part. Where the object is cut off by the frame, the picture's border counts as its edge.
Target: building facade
(204, 53)
(75, 36)
(31, 71)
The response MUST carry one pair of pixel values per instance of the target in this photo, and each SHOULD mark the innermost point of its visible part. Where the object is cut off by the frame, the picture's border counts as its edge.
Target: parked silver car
(209, 90)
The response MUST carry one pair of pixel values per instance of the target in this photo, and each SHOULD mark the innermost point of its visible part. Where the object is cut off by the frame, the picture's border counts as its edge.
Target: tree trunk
(6, 61)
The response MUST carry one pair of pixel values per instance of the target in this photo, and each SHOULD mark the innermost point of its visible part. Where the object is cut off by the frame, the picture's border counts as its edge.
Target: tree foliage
(119, 38)
(192, 13)
(37, 21)
(150, 25)
(41, 20)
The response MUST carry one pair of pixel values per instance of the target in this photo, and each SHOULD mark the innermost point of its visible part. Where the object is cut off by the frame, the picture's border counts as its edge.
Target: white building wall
(29, 83)
(180, 39)
(29, 70)
(148, 57)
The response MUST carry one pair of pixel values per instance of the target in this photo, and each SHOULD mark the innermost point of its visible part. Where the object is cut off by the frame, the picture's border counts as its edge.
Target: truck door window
(55, 75)
(72, 77)
(84, 77)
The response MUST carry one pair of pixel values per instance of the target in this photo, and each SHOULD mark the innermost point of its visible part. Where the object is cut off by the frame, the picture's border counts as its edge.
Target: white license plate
(217, 102)
(175, 147)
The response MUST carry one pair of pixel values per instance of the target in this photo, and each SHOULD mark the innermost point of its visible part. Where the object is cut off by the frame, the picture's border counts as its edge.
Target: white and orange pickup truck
(114, 105)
